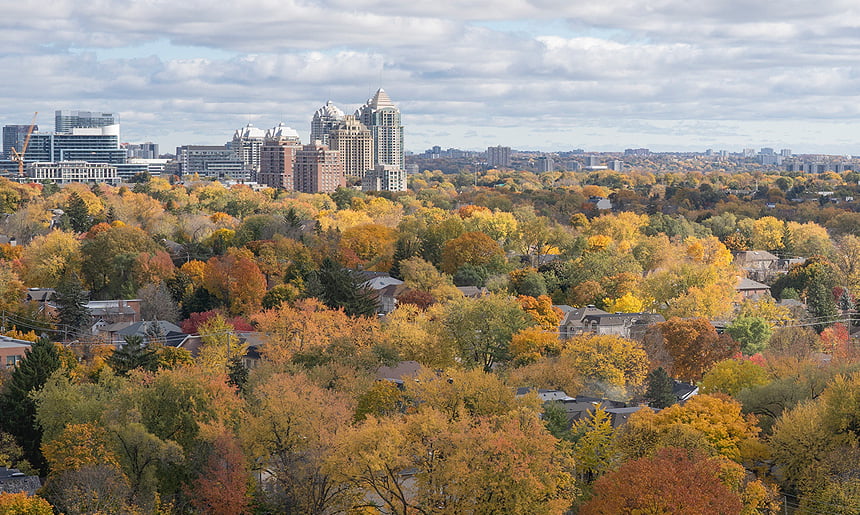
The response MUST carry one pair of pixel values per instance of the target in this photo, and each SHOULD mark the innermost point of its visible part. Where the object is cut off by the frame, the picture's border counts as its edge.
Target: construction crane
(19, 157)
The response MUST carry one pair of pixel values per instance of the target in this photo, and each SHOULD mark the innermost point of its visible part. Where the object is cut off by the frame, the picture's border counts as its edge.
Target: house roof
(140, 328)
(745, 284)
(473, 291)
(755, 255)
(13, 343)
(576, 315)
(683, 391)
(378, 283)
(40, 294)
(399, 371)
(613, 319)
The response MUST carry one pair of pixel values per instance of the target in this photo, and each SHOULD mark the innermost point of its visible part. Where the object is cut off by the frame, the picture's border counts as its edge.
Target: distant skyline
(548, 75)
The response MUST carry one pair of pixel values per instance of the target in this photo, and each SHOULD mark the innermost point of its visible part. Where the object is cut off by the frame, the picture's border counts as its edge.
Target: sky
(548, 75)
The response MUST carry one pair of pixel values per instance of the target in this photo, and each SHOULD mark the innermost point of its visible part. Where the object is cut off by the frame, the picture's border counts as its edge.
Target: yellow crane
(19, 157)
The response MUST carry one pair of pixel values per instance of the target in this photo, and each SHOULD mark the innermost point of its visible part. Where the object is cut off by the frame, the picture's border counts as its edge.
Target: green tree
(71, 299)
(76, 214)
(338, 287)
(110, 260)
(659, 390)
(19, 408)
(753, 333)
(483, 328)
(133, 355)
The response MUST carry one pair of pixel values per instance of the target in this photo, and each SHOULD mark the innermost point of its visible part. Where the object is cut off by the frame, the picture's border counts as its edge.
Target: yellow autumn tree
(607, 363)
(627, 303)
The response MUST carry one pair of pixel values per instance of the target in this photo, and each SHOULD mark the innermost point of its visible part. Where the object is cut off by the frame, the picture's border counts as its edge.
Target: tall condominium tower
(499, 157)
(318, 169)
(382, 117)
(247, 143)
(355, 144)
(65, 121)
(14, 136)
(325, 120)
(278, 157)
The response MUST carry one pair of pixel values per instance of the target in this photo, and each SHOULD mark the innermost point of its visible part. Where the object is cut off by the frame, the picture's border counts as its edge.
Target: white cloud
(464, 73)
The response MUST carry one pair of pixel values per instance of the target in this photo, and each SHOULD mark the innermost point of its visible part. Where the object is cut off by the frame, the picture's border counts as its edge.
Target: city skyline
(538, 75)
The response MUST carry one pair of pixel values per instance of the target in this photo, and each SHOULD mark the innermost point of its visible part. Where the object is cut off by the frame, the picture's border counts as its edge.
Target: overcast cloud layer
(540, 74)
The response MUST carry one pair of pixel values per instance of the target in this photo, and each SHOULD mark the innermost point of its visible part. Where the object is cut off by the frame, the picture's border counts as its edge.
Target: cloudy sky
(531, 74)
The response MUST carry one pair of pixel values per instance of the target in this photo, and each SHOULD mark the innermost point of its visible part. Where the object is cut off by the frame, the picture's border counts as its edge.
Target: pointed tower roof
(380, 100)
(329, 110)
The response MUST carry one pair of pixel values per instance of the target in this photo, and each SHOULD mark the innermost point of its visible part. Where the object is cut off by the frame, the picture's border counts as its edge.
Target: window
(11, 361)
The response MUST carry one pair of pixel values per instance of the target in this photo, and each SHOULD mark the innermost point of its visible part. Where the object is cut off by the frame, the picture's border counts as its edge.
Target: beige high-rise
(278, 156)
(318, 169)
(354, 141)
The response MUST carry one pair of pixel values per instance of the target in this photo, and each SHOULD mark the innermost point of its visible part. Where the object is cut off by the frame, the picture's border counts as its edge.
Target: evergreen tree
(555, 419)
(821, 305)
(77, 214)
(133, 355)
(18, 409)
(337, 287)
(71, 300)
(659, 390)
(407, 246)
(237, 374)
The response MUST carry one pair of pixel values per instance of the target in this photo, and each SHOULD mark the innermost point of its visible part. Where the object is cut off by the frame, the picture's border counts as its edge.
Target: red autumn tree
(694, 346)
(222, 488)
(674, 481)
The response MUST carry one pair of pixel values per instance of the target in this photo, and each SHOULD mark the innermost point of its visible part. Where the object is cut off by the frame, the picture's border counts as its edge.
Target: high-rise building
(247, 143)
(384, 178)
(65, 121)
(278, 157)
(355, 143)
(93, 145)
(13, 137)
(324, 121)
(148, 150)
(210, 161)
(499, 157)
(318, 169)
(545, 164)
(382, 117)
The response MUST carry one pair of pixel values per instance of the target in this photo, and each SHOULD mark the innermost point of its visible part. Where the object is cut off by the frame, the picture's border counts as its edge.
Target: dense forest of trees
(149, 428)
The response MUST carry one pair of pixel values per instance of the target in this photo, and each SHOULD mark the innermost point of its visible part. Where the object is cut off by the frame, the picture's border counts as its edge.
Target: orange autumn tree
(694, 346)
(308, 326)
(500, 464)
(473, 248)
(542, 310)
(372, 246)
(673, 481)
(222, 487)
(236, 279)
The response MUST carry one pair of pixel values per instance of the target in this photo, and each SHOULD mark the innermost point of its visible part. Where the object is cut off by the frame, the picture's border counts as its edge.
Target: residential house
(573, 322)
(400, 372)
(625, 325)
(473, 292)
(683, 391)
(759, 265)
(157, 331)
(750, 289)
(387, 289)
(12, 351)
(13, 481)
